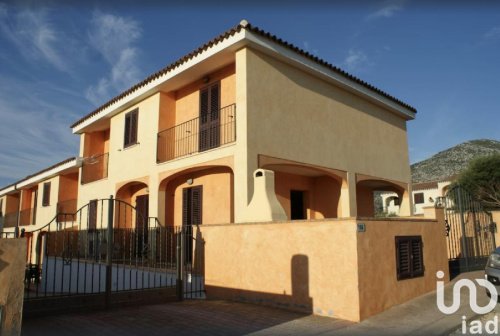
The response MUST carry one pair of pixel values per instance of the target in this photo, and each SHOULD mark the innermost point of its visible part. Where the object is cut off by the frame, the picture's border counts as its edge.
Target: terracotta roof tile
(225, 35)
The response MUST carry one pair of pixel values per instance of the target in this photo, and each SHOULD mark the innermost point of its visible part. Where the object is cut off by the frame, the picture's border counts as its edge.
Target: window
(396, 201)
(130, 137)
(46, 194)
(409, 257)
(418, 198)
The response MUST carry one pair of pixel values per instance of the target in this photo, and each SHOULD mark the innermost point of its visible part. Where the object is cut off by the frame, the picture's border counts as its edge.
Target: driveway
(416, 317)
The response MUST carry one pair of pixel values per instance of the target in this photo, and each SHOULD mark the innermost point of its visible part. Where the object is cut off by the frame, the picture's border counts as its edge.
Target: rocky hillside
(452, 160)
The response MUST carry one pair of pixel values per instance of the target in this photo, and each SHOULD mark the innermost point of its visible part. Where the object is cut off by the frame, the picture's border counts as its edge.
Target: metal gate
(470, 231)
(108, 254)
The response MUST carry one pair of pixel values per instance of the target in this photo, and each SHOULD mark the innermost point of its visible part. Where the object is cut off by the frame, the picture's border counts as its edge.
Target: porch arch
(365, 189)
(320, 189)
(134, 194)
(217, 202)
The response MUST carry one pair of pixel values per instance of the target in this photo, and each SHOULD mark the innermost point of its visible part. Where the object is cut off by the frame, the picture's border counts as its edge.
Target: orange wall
(365, 201)
(188, 98)
(217, 196)
(68, 187)
(321, 194)
(12, 203)
(379, 287)
(96, 143)
(282, 265)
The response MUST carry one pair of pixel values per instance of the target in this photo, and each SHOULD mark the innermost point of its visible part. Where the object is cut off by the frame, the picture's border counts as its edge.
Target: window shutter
(214, 102)
(196, 205)
(403, 258)
(417, 257)
(185, 207)
(46, 194)
(126, 140)
(92, 215)
(409, 257)
(133, 127)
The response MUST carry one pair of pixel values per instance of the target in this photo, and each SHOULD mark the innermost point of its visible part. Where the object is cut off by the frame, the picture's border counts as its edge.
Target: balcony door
(141, 221)
(209, 117)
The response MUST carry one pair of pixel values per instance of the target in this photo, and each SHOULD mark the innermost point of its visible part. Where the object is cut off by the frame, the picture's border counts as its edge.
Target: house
(424, 194)
(277, 154)
(246, 100)
(34, 201)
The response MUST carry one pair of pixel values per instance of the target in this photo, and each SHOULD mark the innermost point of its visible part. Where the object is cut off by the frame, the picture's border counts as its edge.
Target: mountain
(452, 160)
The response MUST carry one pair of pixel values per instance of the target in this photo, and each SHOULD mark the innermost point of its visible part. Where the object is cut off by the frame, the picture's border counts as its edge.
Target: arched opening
(132, 206)
(306, 192)
(201, 195)
(369, 196)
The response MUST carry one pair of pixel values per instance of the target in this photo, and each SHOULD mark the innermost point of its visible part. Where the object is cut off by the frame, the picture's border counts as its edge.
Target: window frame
(130, 128)
(46, 194)
(419, 194)
(414, 252)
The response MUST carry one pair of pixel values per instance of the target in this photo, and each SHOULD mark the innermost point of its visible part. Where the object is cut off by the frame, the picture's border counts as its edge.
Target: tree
(482, 180)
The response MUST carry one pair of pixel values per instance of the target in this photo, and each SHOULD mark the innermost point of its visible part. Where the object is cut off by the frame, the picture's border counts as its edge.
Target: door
(209, 117)
(297, 208)
(191, 215)
(141, 222)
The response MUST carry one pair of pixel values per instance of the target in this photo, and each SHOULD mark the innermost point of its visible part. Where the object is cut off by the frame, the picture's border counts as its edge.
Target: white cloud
(493, 33)
(355, 60)
(34, 35)
(390, 9)
(113, 37)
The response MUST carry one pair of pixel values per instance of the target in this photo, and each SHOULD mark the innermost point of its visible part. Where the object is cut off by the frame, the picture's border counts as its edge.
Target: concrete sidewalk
(417, 317)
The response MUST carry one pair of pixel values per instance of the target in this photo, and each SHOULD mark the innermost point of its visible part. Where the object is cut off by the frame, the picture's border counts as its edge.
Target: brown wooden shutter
(185, 207)
(204, 121)
(46, 194)
(92, 215)
(126, 140)
(409, 257)
(196, 205)
(133, 127)
(130, 132)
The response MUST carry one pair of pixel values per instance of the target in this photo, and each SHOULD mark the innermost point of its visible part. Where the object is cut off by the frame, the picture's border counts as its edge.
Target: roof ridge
(244, 24)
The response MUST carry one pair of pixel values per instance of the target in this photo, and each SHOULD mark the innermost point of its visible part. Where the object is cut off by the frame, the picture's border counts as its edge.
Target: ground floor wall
(12, 265)
(324, 267)
(379, 288)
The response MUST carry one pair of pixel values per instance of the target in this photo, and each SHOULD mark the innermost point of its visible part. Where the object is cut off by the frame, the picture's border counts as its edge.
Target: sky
(60, 60)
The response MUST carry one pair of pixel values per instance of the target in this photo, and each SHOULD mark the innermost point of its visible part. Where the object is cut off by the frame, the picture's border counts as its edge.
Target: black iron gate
(470, 231)
(108, 254)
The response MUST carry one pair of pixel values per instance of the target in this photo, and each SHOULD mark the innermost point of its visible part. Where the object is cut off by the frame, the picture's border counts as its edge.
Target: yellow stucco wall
(378, 284)
(295, 116)
(282, 264)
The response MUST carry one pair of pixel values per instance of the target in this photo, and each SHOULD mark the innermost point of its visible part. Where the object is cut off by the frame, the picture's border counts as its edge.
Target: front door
(209, 117)
(141, 222)
(297, 206)
(191, 215)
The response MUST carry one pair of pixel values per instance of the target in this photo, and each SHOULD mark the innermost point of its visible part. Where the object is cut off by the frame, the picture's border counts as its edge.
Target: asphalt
(419, 316)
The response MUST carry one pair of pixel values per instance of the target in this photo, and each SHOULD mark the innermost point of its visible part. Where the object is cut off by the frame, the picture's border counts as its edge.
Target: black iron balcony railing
(95, 168)
(27, 217)
(10, 219)
(208, 131)
(66, 210)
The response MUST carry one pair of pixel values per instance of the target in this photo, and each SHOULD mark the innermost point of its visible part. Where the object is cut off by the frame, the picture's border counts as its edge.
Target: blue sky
(57, 63)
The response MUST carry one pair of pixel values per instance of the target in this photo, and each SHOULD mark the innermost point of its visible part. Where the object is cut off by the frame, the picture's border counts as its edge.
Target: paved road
(184, 318)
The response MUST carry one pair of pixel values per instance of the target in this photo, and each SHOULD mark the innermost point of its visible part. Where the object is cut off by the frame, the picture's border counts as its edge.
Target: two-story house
(182, 145)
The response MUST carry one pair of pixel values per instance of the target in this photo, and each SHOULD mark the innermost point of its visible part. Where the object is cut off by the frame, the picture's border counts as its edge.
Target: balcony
(66, 210)
(206, 132)
(95, 168)
(10, 220)
(27, 217)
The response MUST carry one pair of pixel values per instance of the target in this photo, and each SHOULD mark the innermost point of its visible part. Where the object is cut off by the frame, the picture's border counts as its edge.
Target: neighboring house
(191, 135)
(424, 194)
(34, 201)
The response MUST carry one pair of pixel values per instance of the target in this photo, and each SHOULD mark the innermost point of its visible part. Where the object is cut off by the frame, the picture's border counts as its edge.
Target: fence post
(462, 224)
(109, 253)
(180, 265)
